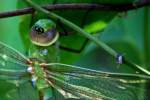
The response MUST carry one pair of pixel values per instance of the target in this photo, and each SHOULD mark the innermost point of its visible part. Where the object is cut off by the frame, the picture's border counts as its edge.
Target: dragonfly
(69, 80)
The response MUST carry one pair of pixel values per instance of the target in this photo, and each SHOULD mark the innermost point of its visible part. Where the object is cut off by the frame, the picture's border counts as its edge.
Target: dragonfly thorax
(37, 75)
(37, 69)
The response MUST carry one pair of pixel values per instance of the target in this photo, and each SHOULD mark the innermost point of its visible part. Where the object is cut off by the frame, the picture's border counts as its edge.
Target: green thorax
(40, 74)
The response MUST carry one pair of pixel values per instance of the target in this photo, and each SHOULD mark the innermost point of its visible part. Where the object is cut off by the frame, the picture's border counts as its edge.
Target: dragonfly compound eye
(38, 29)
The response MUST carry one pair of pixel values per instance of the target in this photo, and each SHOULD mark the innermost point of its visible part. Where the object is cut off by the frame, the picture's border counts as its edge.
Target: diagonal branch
(83, 6)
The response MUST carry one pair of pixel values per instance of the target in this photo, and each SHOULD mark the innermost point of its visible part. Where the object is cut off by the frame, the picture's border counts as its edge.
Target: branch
(83, 6)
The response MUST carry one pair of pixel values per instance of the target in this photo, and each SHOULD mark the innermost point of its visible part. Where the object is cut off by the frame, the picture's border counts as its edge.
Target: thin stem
(87, 35)
(83, 6)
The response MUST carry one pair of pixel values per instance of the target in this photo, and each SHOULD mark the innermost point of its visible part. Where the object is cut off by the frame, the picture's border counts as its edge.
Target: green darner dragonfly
(71, 81)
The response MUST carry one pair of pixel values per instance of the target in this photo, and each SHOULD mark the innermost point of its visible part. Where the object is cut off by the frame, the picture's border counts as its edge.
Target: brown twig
(83, 6)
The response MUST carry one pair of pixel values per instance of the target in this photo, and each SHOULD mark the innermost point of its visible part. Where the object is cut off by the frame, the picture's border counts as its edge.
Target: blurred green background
(9, 26)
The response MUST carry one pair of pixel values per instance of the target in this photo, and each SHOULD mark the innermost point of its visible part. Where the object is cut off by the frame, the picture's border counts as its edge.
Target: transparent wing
(12, 63)
(8, 54)
(14, 76)
(70, 90)
(64, 68)
(81, 83)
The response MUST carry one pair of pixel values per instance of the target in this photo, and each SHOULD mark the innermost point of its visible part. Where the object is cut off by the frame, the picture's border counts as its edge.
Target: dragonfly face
(44, 33)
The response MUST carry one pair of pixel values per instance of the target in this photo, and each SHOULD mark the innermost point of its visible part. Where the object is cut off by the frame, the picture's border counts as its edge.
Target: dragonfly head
(44, 33)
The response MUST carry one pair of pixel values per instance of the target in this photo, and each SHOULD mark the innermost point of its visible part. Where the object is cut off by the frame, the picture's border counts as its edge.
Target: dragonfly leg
(75, 50)
(67, 33)
(60, 25)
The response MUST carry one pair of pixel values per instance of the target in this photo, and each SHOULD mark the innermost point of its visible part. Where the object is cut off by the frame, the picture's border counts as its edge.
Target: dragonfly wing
(9, 54)
(14, 75)
(27, 92)
(64, 68)
(74, 91)
(60, 90)
(79, 81)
